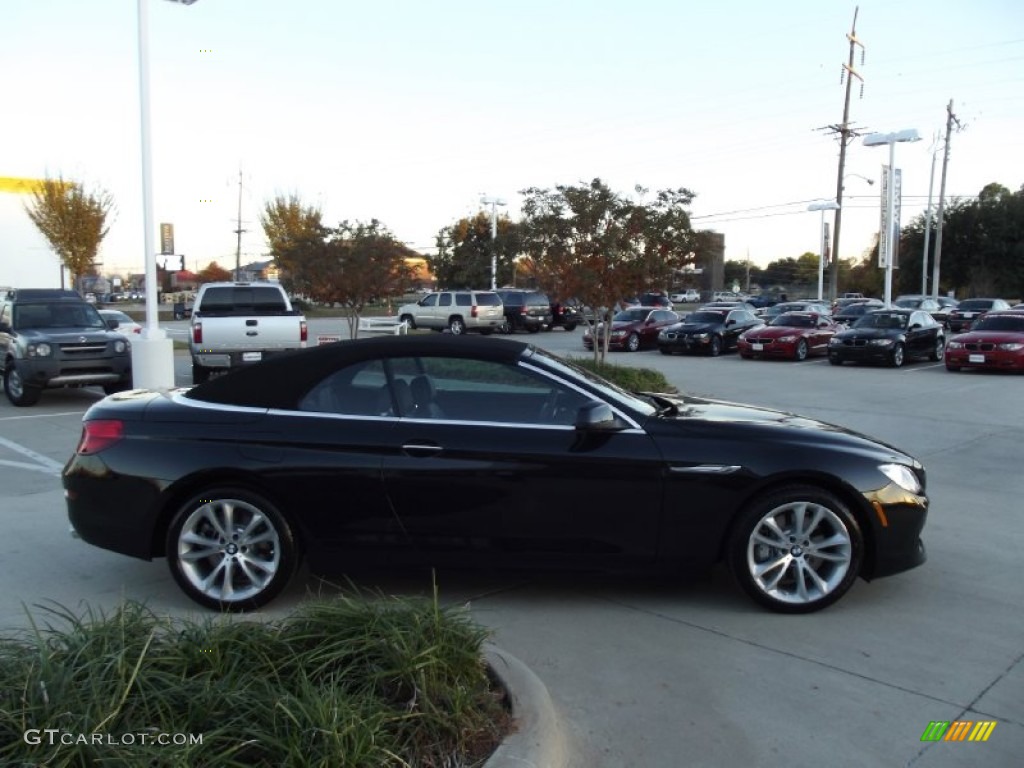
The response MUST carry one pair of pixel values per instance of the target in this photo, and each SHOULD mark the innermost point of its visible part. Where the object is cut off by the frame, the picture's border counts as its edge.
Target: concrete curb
(538, 740)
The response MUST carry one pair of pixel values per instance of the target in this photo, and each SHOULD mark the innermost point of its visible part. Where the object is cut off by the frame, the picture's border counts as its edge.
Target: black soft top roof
(281, 380)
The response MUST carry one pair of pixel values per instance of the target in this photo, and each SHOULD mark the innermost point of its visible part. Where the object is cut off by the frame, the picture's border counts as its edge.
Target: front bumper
(993, 359)
(897, 519)
(55, 372)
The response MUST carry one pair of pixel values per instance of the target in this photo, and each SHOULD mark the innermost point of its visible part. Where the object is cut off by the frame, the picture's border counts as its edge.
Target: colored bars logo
(958, 730)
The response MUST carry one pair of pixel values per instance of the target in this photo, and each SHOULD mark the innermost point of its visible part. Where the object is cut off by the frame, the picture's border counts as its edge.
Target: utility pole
(846, 135)
(239, 231)
(950, 119)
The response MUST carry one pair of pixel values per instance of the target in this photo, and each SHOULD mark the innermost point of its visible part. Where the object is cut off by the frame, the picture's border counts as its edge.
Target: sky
(409, 111)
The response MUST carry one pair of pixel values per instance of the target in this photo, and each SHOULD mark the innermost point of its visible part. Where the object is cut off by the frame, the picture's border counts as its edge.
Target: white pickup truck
(235, 324)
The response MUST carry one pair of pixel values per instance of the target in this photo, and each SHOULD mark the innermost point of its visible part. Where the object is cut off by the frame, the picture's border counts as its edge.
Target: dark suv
(566, 314)
(54, 338)
(525, 310)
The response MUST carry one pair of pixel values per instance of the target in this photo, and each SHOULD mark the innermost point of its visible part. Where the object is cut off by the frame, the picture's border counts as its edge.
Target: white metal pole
(494, 239)
(893, 230)
(821, 256)
(149, 255)
(927, 234)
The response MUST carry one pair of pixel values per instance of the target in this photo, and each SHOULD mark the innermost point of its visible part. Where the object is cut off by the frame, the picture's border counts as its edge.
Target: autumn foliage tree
(296, 234)
(599, 246)
(73, 220)
(464, 252)
(213, 273)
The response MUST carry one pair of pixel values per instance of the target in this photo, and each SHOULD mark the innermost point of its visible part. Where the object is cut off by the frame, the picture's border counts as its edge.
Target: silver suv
(456, 311)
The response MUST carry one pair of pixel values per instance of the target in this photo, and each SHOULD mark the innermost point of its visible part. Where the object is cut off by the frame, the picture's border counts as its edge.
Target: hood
(685, 327)
(776, 331)
(989, 337)
(870, 333)
(71, 335)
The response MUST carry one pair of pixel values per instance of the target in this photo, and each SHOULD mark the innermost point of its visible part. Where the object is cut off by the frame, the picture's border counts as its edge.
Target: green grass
(348, 681)
(629, 378)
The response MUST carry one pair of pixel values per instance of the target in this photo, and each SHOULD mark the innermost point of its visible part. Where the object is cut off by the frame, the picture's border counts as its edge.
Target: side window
(445, 300)
(429, 300)
(358, 390)
(486, 391)
(462, 300)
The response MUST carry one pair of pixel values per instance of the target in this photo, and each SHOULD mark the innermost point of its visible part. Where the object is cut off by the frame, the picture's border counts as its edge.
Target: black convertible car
(459, 451)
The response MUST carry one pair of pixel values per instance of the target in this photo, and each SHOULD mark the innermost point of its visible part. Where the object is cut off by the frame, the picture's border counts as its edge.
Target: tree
(213, 273)
(73, 220)
(295, 233)
(464, 251)
(590, 243)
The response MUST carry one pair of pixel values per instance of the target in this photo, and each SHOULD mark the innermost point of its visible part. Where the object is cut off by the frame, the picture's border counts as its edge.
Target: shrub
(629, 378)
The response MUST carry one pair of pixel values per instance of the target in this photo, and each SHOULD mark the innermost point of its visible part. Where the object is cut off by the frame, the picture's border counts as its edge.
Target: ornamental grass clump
(349, 681)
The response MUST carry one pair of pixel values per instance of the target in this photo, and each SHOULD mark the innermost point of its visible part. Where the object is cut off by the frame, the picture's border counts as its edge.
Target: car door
(921, 331)
(501, 477)
(426, 310)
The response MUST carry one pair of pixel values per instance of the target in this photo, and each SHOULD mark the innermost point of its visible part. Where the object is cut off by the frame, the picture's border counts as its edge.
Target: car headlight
(120, 346)
(42, 349)
(787, 339)
(834, 342)
(955, 345)
(701, 336)
(881, 342)
(903, 476)
(1010, 346)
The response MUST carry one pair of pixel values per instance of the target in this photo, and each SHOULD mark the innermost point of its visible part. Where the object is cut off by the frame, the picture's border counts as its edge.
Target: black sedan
(711, 331)
(489, 452)
(889, 336)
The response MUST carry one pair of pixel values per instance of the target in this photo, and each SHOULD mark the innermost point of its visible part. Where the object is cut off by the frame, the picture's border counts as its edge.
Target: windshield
(973, 305)
(612, 391)
(1000, 323)
(882, 320)
(706, 317)
(794, 321)
(909, 303)
(631, 315)
(57, 315)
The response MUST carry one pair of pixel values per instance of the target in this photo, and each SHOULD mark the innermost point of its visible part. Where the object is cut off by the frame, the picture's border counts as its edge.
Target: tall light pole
(892, 227)
(153, 352)
(494, 202)
(824, 205)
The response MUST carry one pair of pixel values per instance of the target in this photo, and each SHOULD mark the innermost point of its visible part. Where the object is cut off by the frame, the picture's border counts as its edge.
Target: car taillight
(472, 311)
(523, 311)
(137, 330)
(303, 331)
(100, 434)
(197, 333)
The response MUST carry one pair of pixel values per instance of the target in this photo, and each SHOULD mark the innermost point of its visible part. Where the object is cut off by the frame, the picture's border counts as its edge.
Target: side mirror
(5, 327)
(112, 323)
(915, 326)
(596, 416)
(730, 322)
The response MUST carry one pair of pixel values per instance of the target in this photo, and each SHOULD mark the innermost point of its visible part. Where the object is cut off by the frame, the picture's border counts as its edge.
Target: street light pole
(826, 205)
(494, 202)
(153, 352)
(892, 229)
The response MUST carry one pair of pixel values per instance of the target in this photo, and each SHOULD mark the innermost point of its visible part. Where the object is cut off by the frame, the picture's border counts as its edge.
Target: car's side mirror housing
(915, 326)
(112, 323)
(596, 416)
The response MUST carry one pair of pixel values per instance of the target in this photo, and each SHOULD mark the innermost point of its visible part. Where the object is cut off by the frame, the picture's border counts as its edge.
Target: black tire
(801, 349)
(774, 559)
(939, 352)
(257, 571)
(665, 350)
(486, 331)
(715, 348)
(200, 375)
(633, 342)
(18, 392)
(835, 360)
(898, 356)
(533, 329)
(456, 326)
(120, 386)
(570, 327)
(505, 327)
(410, 321)
(953, 368)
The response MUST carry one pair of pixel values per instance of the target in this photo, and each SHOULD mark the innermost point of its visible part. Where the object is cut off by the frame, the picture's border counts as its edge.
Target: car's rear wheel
(953, 368)
(457, 326)
(633, 342)
(939, 351)
(715, 347)
(505, 327)
(200, 375)
(801, 349)
(231, 549)
(18, 392)
(897, 357)
(570, 327)
(835, 360)
(410, 321)
(797, 550)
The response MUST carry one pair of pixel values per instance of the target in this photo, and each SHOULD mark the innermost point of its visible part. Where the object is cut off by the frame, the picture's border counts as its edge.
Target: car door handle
(421, 449)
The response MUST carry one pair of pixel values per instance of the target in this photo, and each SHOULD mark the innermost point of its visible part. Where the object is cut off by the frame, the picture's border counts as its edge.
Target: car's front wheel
(797, 550)
(457, 326)
(801, 349)
(231, 549)
(715, 347)
(410, 321)
(18, 392)
(119, 386)
(898, 356)
(633, 342)
(939, 350)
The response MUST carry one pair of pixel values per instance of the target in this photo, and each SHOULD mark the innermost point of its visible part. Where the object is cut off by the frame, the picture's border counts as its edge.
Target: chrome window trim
(590, 395)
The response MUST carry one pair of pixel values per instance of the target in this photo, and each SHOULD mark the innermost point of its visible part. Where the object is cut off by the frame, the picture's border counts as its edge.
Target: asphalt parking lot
(691, 673)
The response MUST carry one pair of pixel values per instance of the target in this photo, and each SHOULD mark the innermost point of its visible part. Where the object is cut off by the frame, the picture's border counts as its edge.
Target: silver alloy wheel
(801, 349)
(228, 550)
(799, 553)
(633, 342)
(897, 356)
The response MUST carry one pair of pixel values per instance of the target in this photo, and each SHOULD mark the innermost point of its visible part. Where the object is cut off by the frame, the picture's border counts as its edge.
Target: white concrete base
(153, 363)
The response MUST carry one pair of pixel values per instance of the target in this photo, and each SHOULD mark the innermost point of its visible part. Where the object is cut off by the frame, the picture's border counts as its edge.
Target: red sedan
(995, 342)
(795, 335)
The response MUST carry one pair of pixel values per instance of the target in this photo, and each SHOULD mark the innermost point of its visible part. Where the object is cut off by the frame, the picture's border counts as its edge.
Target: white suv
(456, 311)
(689, 296)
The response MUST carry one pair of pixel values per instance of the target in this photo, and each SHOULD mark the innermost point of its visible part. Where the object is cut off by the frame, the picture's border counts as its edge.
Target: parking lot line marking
(40, 415)
(34, 467)
(43, 463)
